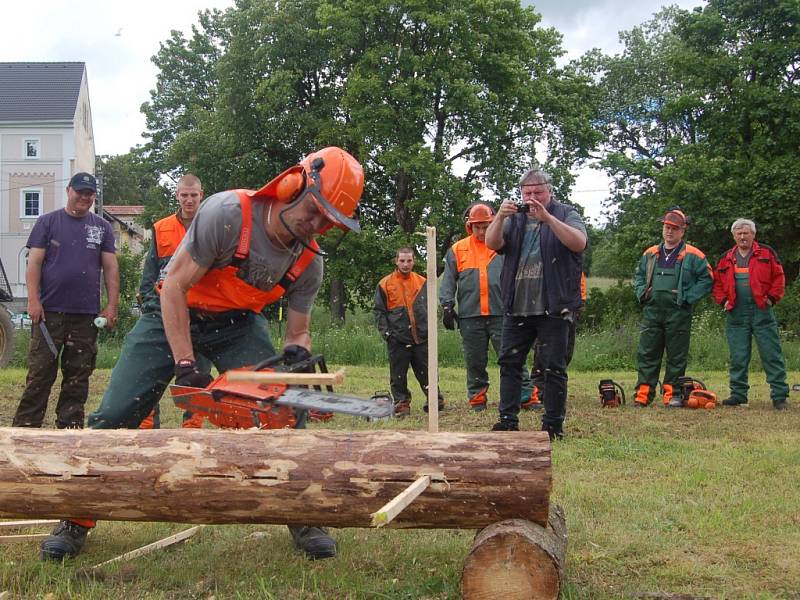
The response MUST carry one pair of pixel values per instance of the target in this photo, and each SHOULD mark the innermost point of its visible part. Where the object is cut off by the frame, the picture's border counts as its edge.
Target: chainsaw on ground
(233, 404)
(695, 394)
(611, 393)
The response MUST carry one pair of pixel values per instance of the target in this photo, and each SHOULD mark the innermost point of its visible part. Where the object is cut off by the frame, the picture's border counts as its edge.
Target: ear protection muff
(289, 187)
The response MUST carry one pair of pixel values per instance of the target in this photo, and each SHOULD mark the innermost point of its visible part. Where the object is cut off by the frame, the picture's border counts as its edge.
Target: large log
(517, 560)
(321, 477)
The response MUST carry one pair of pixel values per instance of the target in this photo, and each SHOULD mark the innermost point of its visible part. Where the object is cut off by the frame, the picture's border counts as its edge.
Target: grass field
(705, 503)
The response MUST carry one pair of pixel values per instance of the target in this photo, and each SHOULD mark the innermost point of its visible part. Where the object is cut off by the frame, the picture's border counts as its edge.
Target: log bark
(312, 477)
(517, 560)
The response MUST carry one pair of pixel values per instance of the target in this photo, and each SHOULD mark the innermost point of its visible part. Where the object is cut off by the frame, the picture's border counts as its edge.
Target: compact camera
(523, 207)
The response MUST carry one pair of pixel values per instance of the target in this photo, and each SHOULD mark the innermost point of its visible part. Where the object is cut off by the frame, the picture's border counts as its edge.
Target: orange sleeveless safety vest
(169, 232)
(221, 290)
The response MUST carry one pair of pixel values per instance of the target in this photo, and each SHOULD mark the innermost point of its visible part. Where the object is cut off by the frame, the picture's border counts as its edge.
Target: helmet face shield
(333, 215)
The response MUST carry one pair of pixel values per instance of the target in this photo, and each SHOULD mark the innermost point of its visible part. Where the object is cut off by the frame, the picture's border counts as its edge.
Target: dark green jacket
(694, 275)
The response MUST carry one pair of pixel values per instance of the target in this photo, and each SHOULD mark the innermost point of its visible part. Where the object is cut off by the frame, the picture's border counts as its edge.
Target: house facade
(127, 230)
(45, 137)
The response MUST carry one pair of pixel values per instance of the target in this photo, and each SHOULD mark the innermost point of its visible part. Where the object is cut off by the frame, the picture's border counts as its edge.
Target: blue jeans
(519, 334)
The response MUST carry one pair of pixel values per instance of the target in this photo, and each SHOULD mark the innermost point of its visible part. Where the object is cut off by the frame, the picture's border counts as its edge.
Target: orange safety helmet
(333, 178)
(478, 213)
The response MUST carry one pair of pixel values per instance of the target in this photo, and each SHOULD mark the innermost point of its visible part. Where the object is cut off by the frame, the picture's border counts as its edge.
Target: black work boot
(505, 425)
(554, 431)
(314, 541)
(402, 409)
(65, 541)
(441, 405)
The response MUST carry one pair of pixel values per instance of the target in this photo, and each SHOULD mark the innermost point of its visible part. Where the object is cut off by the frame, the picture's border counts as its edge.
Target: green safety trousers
(665, 327)
(476, 335)
(745, 322)
(230, 340)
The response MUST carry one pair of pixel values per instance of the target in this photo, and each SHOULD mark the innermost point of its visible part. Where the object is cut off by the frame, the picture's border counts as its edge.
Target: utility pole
(98, 203)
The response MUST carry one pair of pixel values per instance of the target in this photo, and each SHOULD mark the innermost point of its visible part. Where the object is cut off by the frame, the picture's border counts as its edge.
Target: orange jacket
(472, 276)
(167, 235)
(401, 310)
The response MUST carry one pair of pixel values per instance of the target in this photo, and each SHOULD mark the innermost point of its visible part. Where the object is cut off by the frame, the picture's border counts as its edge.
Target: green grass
(668, 501)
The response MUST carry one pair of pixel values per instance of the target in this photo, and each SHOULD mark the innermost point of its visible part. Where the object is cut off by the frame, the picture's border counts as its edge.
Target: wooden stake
(157, 545)
(336, 378)
(396, 505)
(10, 539)
(28, 523)
(433, 334)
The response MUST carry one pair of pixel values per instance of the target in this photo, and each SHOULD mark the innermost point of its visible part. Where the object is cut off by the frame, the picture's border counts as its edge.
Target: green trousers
(745, 322)
(476, 335)
(145, 366)
(665, 328)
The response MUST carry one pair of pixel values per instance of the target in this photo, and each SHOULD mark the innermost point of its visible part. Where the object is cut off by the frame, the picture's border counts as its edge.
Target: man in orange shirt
(401, 314)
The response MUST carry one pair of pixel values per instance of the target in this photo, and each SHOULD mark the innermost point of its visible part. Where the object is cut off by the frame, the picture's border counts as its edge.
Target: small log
(387, 513)
(517, 560)
(157, 545)
(298, 477)
(336, 378)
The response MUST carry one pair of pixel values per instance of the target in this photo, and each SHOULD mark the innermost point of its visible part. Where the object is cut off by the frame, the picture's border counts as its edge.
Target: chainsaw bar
(205, 400)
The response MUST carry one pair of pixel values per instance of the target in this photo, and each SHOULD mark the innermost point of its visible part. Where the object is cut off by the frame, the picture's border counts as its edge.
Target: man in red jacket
(748, 281)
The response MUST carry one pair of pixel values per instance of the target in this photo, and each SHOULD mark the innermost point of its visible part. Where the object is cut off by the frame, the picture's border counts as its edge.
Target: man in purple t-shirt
(68, 248)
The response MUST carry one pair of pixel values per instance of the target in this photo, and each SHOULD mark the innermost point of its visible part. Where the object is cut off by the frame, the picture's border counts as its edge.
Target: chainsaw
(249, 404)
(611, 393)
(695, 394)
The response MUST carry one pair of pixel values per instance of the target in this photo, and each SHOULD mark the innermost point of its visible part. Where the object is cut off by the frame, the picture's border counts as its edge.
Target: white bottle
(100, 322)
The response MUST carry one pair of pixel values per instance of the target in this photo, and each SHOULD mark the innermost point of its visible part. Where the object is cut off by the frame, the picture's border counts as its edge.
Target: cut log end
(517, 559)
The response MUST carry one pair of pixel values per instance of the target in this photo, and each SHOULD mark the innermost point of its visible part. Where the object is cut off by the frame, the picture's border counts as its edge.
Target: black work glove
(449, 317)
(294, 354)
(187, 374)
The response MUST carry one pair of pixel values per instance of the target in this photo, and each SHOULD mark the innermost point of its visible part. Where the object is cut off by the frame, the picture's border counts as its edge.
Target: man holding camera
(542, 241)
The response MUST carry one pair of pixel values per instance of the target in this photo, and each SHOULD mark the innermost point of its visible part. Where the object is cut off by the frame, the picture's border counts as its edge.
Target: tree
(701, 110)
(440, 100)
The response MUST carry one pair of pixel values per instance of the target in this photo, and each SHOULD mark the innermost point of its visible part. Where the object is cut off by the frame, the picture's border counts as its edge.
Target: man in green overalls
(670, 278)
(749, 280)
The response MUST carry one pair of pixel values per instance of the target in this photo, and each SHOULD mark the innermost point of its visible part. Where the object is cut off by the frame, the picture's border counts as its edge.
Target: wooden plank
(336, 378)
(433, 332)
(157, 545)
(387, 513)
(10, 539)
(28, 523)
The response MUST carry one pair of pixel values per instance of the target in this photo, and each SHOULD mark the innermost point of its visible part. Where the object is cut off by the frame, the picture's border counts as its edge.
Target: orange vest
(221, 290)
(472, 254)
(169, 232)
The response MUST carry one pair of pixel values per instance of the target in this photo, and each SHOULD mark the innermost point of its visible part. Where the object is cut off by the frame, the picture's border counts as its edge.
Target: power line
(30, 185)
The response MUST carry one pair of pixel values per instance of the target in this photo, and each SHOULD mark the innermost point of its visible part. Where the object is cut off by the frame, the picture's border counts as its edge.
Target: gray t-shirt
(528, 292)
(212, 239)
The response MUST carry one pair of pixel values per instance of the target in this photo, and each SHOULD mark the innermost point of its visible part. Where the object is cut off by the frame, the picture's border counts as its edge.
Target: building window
(30, 203)
(30, 149)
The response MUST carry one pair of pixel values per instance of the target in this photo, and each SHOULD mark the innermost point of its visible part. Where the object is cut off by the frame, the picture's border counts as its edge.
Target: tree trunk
(517, 559)
(337, 303)
(320, 477)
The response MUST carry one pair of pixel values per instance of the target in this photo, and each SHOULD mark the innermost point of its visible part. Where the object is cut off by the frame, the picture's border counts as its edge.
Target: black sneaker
(505, 426)
(314, 541)
(735, 402)
(781, 405)
(66, 541)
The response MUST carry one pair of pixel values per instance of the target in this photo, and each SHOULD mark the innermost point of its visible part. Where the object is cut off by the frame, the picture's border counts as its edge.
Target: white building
(45, 137)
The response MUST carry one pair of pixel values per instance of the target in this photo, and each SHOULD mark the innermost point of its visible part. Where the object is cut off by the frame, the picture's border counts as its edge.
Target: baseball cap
(675, 217)
(83, 181)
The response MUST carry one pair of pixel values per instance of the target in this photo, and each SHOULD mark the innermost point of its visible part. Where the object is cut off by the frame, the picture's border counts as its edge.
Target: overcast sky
(117, 39)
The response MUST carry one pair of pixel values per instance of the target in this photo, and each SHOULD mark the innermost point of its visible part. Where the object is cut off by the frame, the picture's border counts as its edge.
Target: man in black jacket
(543, 242)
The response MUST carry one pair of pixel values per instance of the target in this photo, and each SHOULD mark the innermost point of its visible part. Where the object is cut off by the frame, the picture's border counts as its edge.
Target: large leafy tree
(440, 100)
(701, 110)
